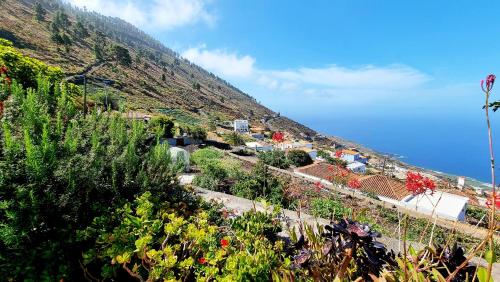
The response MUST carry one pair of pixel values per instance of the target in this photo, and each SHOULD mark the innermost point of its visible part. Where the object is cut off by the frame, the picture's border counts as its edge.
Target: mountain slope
(156, 77)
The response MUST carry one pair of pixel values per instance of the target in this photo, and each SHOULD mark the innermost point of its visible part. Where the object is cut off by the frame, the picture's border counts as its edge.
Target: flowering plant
(278, 137)
(354, 183)
(419, 184)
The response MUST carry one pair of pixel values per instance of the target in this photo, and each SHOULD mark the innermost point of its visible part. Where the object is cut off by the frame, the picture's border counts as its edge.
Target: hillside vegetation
(148, 75)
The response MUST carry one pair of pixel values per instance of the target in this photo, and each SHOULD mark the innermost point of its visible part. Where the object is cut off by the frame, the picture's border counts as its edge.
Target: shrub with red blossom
(354, 183)
(419, 184)
(493, 200)
(224, 243)
(278, 136)
(339, 154)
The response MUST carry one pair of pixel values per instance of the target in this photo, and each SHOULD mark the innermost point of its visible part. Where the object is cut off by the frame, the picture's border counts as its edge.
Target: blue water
(456, 145)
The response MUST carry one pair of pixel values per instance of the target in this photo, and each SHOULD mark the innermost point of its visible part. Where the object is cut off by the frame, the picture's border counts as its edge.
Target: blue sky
(330, 55)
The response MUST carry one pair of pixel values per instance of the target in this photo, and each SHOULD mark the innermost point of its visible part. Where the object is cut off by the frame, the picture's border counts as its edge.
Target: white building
(445, 205)
(357, 167)
(241, 125)
(259, 147)
(294, 145)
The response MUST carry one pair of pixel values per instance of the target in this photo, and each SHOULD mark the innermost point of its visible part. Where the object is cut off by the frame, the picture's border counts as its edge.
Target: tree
(39, 12)
(196, 86)
(80, 30)
(122, 55)
(61, 20)
(299, 158)
(98, 52)
(163, 77)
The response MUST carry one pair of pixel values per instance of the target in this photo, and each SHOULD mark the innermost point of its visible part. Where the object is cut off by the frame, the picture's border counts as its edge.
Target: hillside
(155, 78)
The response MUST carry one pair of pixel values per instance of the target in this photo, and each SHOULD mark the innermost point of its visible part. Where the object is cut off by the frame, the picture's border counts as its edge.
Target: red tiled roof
(321, 170)
(378, 184)
(383, 186)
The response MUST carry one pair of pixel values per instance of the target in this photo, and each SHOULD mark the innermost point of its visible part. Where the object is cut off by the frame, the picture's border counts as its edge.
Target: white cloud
(221, 62)
(154, 14)
(333, 81)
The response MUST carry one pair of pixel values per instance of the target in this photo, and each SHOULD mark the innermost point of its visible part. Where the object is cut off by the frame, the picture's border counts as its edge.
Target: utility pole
(84, 96)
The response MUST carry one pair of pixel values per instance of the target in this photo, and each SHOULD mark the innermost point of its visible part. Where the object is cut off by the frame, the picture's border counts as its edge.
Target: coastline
(397, 159)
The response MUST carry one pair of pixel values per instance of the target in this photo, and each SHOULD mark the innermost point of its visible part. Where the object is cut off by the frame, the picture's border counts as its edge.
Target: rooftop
(384, 186)
(321, 170)
(350, 152)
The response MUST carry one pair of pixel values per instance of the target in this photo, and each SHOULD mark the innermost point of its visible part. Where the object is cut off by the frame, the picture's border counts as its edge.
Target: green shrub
(162, 126)
(276, 158)
(25, 69)
(177, 247)
(299, 158)
(326, 208)
(202, 156)
(59, 171)
(234, 139)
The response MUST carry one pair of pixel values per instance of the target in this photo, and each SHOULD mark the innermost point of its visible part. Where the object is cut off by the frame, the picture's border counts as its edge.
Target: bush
(275, 158)
(58, 172)
(202, 156)
(234, 139)
(24, 69)
(176, 247)
(299, 158)
(326, 208)
(162, 126)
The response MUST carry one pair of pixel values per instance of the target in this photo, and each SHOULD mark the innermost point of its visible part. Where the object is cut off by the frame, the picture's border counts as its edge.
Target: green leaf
(490, 256)
(482, 273)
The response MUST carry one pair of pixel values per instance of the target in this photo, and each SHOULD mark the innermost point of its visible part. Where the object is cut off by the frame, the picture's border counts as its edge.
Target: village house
(357, 167)
(440, 204)
(394, 192)
(241, 126)
(351, 156)
(259, 147)
(294, 145)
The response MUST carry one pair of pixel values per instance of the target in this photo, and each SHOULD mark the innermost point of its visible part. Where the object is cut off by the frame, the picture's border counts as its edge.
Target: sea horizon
(453, 146)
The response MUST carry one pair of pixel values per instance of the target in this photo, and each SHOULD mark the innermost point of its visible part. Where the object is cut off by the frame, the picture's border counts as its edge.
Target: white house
(445, 205)
(259, 147)
(357, 167)
(294, 145)
(241, 125)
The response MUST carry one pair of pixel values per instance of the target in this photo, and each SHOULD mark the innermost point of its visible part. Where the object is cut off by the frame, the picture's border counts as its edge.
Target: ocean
(457, 146)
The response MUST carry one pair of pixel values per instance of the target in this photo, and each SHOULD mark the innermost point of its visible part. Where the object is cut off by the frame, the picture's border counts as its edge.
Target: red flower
(202, 260)
(319, 186)
(279, 137)
(354, 183)
(338, 153)
(4, 70)
(490, 80)
(494, 199)
(224, 243)
(418, 184)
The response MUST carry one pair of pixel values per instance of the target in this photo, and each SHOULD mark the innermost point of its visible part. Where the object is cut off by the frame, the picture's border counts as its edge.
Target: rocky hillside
(148, 75)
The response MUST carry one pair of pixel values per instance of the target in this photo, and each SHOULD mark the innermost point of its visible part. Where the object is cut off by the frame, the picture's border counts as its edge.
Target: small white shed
(446, 205)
